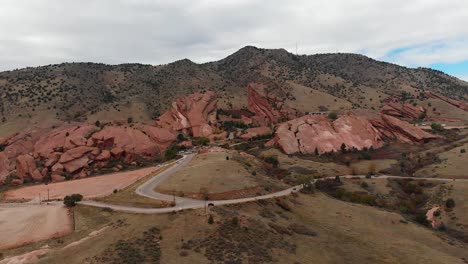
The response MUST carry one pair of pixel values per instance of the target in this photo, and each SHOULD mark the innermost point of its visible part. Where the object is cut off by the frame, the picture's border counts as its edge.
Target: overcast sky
(430, 33)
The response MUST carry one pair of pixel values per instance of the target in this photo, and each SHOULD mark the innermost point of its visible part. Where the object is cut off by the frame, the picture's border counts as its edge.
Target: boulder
(57, 169)
(268, 109)
(26, 168)
(117, 152)
(194, 114)
(76, 164)
(4, 167)
(52, 159)
(76, 153)
(162, 136)
(105, 155)
(57, 178)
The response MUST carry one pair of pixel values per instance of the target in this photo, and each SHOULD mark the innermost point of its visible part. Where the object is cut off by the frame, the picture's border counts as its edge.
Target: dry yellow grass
(454, 164)
(309, 100)
(346, 233)
(212, 172)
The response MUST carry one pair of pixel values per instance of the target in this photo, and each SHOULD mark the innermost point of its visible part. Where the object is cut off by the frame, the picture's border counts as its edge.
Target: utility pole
(48, 198)
(296, 48)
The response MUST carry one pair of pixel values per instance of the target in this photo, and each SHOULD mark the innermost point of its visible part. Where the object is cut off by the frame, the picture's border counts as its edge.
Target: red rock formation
(402, 131)
(26, 168)
(161, 136)
(403, 111)
(194, 114)
(72, 147)
(4, 167)
(64, 138)
(268, 108)
(307, 133)
(129, 139)
(256, 131)
(459, 104)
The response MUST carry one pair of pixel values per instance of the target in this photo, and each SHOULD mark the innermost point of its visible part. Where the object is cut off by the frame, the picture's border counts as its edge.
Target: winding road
(182, 203)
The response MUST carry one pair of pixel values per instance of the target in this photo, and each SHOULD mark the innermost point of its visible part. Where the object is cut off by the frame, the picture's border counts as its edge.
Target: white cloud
(34, 32)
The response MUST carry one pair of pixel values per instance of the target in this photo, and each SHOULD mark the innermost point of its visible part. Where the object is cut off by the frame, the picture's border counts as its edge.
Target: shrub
(71, 200)
(462, 150)
(450, 203)
(364, 185)
(180, 137)
(421, 219)
(333, 115)
(272, 160)
(437, 127)
(202, 141)
(210, 220)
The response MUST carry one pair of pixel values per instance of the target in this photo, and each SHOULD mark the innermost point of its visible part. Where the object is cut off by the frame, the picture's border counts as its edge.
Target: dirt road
(25, 224)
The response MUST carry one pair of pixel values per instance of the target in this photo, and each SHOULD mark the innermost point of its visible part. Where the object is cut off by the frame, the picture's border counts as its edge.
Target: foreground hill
(90, 91)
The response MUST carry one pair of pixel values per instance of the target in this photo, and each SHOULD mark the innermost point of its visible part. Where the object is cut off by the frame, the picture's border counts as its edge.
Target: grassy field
(304, 229)
(212, 172)
(454, 164)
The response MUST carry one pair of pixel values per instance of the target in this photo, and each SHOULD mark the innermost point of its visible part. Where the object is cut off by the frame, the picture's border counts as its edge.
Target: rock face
(195, 114)
(309, 134)
(268, 108)
(130, 139)
(26, 168)
(395, 129)
(459, 104)
(402, 111)
(69, 149)
(64, 138)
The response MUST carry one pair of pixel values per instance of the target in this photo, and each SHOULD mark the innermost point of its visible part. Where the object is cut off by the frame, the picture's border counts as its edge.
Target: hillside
(90, 91)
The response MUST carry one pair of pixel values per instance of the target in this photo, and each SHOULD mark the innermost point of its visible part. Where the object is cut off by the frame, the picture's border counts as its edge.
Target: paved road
(147, 190)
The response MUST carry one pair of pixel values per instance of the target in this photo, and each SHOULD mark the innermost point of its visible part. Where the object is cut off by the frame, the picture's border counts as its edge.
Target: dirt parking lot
(25, 224)
(88, 187)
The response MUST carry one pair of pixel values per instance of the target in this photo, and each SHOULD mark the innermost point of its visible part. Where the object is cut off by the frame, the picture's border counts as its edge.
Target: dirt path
(31, 223)
(88, 187)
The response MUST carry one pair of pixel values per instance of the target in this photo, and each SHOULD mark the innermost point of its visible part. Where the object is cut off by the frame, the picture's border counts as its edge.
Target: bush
(71, 200)
(333, 115)
(202, 141)
(437, 127)
(462, 150)
(210, 220)
(180, 137)
(364, 185)
(450, 203)
(421, 219)
(272, 160)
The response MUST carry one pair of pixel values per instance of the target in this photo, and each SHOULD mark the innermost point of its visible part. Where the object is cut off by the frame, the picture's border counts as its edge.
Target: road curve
(147, 190)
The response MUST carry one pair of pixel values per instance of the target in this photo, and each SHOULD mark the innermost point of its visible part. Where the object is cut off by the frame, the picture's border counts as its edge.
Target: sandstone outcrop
(26, 168)
(310, 134)
(195, 114)
(130, 139)
(395, 129)
(403, 111)
(39, 154)
(268, 108)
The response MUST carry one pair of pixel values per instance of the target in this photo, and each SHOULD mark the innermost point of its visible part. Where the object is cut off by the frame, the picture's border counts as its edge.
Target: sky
(426, 33)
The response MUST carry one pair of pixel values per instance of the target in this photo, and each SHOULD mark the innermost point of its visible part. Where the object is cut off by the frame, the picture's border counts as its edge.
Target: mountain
(92, 91)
